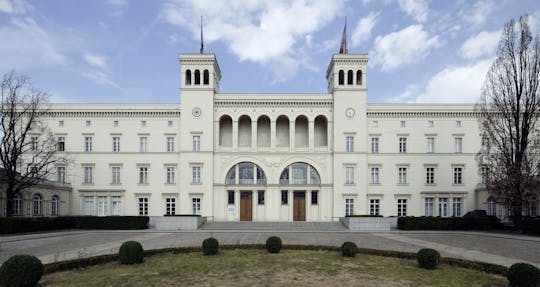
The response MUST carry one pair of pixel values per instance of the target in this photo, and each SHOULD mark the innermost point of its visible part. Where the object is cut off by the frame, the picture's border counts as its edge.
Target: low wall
(369, 223)
(176, 222)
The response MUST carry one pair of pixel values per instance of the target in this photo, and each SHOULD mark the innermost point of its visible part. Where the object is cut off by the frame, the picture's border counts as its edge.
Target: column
(308, 205)
(291, 136)
(273, 135)
(311, 135)
(290, 196)
(330, 135)
(235, 135)
(254, 204)
(237, 205)
(254, 135)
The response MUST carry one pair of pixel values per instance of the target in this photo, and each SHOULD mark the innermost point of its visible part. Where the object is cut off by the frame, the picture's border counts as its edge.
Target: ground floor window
(55, 205)
(88, 205)
(314, 197)
(349, 206)
(456, 206)
(402, 207)
(492, 208)
(230, 195)
(143, 205)
(260, 197)
(532, 208)
(428, 206)
(443, 207)
(374, 206)
(37, 205)
(284, 197)
(196, 205)
(102, 205)
(170, 206)
(116, 207)
(17, 204)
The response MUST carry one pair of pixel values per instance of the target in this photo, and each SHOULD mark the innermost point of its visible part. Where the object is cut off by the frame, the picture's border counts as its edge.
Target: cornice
(111, 114)
(422, 114)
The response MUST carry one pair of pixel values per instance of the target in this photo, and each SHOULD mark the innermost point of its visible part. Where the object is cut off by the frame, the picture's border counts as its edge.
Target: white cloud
(417, 9)
(483, 44)
(27, 45)
(459, 84)
(14, 6)
(403, 47)
(266, 32)
(117, 2)
(362, 31)
(95, 60)
(99, 78)
(119, 6)
(479, 12)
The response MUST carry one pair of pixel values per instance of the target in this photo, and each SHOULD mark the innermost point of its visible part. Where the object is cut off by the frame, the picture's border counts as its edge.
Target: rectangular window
(402, 145)
(88, 174)
(61, 123)
(402, 207)
(430, 145)
(428, 206)
(169, 123)
(196, 174)
(61, 174)
(430, 124)
(456, 206)
(61, 144)
(170, 206)
(143, 123)
(349, 206)
(430, 175)
(170, 144)
(443, 207)
(102, 205)
(402, 173)
(116, 144)
(34, 143)
(402, 124)
(349, 141)
(143, 144)
(375, 124)
(374, 145)
(115, 123)
(230, 197)
(170, 175)
(143, 174)
(88, 123)
(458, 144)
(375, 175)
(458, 124)
(374, 206)
(196, 206)
(458, 175)
(116, 205)
(88, 205)
(260, 197)
(485, 171)
(87, 144)
(284, 197)
(196, 143)
(115, 174)
(349, 175)
(314, 197)
(143, 205)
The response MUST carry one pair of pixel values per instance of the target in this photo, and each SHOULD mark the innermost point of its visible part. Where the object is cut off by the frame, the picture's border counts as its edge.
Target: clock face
(196, 112)
(349, 112)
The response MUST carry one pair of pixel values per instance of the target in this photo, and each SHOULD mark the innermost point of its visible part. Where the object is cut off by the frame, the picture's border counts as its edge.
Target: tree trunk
(9, 201)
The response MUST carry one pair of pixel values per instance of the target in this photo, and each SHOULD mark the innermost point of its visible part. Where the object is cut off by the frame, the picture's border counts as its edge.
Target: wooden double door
(299, 206)
(246, 205)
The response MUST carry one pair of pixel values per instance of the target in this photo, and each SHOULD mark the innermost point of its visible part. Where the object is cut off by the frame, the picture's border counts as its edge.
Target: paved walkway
(487, 247)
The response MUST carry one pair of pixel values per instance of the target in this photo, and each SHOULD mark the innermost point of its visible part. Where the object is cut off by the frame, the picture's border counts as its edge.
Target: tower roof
(343, 49)
(202, 40)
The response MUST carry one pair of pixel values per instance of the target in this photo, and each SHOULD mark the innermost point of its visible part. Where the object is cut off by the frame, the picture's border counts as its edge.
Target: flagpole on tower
(202, 40)
(343, 49)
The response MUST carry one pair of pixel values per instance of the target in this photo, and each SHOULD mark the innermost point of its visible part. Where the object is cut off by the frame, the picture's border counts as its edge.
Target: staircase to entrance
(274, 226)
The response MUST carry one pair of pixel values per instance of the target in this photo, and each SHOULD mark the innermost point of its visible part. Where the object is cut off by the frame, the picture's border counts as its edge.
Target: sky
(120, 51)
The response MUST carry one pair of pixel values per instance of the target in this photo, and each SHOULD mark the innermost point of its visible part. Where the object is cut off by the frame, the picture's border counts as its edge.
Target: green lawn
(258, 268)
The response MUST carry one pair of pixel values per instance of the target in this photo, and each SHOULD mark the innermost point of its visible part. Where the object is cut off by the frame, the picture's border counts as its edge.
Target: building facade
(271, 157)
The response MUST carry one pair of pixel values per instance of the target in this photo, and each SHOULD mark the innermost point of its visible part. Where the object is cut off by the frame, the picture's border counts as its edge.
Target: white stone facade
(271, 157)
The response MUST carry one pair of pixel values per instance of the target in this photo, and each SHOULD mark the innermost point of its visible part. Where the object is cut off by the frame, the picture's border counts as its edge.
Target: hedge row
(29, 224)
(447, 223)
(85, 262)
(530, 225)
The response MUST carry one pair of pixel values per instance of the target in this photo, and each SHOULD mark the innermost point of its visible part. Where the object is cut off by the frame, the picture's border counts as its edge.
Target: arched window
(350, 77)
(300, 173)
(197, 77)
(55, 205)
(359, 77)
(248, 174)
(206, 77)
(341, 77)
(225, 131)
(37, 205)
(17, 204)
(321, 131)
(188, 77)
(282, 131)
(244, 131)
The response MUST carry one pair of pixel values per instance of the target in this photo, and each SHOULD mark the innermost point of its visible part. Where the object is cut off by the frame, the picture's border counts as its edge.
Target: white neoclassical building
(271, 157)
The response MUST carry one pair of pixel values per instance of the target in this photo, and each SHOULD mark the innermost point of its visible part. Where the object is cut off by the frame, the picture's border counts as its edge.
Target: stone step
(274, 226)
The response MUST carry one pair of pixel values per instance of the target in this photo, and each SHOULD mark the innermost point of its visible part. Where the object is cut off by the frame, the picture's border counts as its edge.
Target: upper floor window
(196, 174)
(115, 123)
(88, 174)
(484, 174)
(375, 124)
(61, 123)
(341, 77)
(170, 144)
(402, 145)
(350, 143)
(206, 77)
(88, 123)
(143, 123)
(430, 124)
(61, 144)
(61, 174)
(359, 77)
(430, 145)
(375, 175)
(458, 124)
(196, 143)
(188, 77)
(171, 170)
(34, 143)
(169, 123)
(458, 175)
(458, 144)
(430, 175)
(143, 174)
(402, 124)
(197, 77)
(143, 144)
(116, 144)
(402, 175)
(115, 175)
(374, 145)
(350, 77)
(87, 144)
(349, 175)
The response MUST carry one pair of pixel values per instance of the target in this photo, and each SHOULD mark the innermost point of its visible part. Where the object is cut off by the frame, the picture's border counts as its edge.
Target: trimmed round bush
(21, 271)
(428, 258)
(523, 275)
(273, 244)
(349, 249)
(210, 246)
(131, 252)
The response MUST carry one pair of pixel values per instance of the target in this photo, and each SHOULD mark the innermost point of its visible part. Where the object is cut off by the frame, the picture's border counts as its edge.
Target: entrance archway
(248, 179)
(301, 181)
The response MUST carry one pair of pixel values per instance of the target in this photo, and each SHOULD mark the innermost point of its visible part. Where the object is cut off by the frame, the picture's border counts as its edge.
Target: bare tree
(508, 109)
(28, 151)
